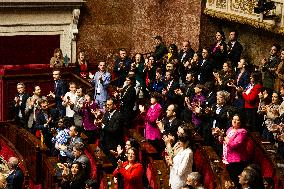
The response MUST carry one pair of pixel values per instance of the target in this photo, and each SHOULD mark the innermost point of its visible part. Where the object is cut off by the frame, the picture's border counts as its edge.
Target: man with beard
(33, 108)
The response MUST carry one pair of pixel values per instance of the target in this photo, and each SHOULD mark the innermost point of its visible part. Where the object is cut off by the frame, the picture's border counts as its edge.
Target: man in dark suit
(60, 90)
(121, 67)
(112, 130)
(235, 49)
(160, 49)
(205, 67)
(44, 122)
(186, 53)
(169, 91)
(19, 105)
(170, 123)
(15, 179)
(128, 98)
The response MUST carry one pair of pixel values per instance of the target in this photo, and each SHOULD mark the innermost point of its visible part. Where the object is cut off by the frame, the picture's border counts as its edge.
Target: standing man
(15, 179)
(112, 130)
(160, 49)
(33, 108)
(101, 81)
(235, 49)
(205, 67)
(59, 91)
(19, 105)
(186, 53)
(121, 67)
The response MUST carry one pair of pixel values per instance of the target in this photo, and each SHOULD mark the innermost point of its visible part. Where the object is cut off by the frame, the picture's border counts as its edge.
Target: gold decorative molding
(244, 20)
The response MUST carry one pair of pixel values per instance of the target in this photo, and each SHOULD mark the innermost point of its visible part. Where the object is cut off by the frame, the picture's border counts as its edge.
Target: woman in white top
(181, 164)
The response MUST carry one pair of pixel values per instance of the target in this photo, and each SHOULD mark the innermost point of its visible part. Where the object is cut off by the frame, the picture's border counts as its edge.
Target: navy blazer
(243, 80)
(112, 133)
(59, 90)
(15, 179)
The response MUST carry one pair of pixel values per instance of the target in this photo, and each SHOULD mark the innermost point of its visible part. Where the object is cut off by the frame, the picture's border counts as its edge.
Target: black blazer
(127, 100)
(22, 105)
(234, 53)
(171, 128)
(205, 71)
(112, 133)
(189, 54)
(222, 119)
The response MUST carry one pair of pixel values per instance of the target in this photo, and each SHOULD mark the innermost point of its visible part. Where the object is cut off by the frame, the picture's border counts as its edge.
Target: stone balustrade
(242, 11)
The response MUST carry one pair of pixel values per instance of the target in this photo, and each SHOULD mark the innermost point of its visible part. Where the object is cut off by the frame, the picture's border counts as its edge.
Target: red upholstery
(266, 166)
(250, 148)
(93, 174)
(203, 167)
(152, 175)
(6, 152)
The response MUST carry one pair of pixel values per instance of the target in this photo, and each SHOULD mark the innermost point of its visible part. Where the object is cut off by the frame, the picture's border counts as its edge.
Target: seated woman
(234, 144)
(73, 179)
(180, 164)
(57, 61)
(131, 171)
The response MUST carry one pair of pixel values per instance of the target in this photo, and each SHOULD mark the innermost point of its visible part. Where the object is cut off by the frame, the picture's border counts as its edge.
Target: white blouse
(182, 166)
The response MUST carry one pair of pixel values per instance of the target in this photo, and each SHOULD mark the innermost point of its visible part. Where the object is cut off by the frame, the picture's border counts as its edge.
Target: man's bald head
(13, 162)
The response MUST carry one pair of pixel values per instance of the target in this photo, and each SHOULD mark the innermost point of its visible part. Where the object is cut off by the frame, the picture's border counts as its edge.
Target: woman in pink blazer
(234, 148)
(152, 132)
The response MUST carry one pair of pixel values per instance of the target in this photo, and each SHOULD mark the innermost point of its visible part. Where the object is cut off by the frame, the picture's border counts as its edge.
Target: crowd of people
(216, 90)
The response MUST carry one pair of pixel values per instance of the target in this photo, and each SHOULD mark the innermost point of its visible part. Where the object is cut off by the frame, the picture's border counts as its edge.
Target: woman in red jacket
(250, 95)
(131, 170)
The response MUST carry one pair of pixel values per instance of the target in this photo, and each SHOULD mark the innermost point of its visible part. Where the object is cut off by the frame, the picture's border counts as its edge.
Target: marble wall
(107, 25)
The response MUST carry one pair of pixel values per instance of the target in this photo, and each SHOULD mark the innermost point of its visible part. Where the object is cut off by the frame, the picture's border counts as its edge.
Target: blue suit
(15, 179)
(59, 90)
(101, 87)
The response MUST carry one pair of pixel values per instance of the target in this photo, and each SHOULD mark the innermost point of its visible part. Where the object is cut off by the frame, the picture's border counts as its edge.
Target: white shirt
(69, 111)
(182, 166)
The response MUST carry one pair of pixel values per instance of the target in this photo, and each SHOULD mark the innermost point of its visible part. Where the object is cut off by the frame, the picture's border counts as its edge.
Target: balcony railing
(242, 11)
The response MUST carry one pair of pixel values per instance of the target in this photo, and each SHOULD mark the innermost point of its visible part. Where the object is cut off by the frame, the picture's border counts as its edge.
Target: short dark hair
(79, 146)
(236, 33)
(77, 129)
(91, 183)
(278, 47)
